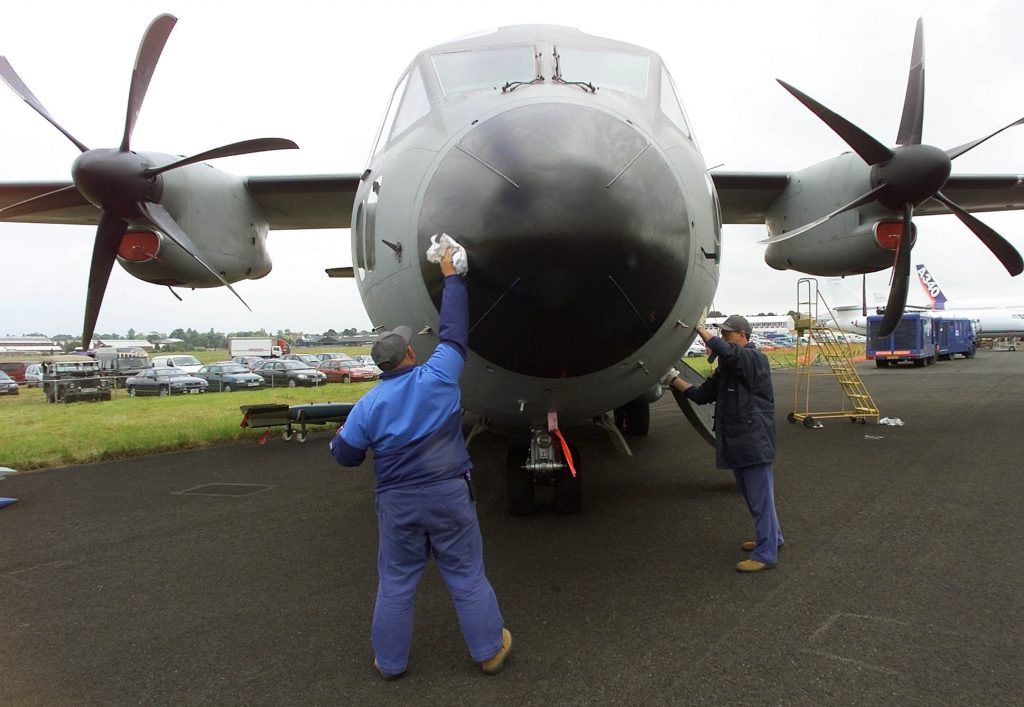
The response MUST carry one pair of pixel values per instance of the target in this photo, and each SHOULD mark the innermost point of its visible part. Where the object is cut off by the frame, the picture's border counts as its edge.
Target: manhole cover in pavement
(224, 490)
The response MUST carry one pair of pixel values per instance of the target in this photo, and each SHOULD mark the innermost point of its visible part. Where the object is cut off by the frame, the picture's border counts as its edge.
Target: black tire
(292, 383)
(634, 418)
(346, 378)
(164, 391)
(809, 421)
(569, 488)
(881, 364)
(791, 418)
(227, 388)
(132, 393)
(919, 363)
(518, 481)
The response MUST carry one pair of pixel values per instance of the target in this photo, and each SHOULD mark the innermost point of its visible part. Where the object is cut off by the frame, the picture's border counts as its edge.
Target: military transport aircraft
(566, 166)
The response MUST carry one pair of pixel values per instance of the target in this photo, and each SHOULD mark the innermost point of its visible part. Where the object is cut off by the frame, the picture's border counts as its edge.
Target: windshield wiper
(511, 86)
(557, 78)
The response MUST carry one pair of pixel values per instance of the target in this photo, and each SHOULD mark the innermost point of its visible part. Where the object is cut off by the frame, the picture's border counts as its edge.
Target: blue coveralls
(741, 388)
(412, 420)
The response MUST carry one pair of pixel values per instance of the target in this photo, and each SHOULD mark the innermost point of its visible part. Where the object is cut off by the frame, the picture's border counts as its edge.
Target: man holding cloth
(741, 388)
(412, 420)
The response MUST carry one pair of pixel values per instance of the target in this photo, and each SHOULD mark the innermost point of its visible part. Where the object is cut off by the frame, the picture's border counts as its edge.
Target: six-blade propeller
(124, 185)
(904, 177)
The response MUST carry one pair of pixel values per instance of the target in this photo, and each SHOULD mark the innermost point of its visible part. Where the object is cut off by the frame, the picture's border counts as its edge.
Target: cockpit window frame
(500, 82)
(669, 92)
(595, 82)
(390, 127)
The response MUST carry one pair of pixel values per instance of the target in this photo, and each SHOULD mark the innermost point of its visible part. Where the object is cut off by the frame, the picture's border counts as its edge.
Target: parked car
(164, 382)
(697, 349)
(334, 355)
(309, 359)
(228, 376)
(15, 370)
(250, 362)
(34, 376)
(187, 363)
(280, 372)
(367, 361)
(340, 371)
(73, 378)
(8, 386)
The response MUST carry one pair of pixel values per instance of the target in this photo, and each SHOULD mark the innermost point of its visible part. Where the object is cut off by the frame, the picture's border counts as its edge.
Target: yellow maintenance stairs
(824, 353)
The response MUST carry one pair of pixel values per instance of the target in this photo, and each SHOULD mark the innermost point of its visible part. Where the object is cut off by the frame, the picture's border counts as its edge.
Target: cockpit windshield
(604, 69)
(484, 69)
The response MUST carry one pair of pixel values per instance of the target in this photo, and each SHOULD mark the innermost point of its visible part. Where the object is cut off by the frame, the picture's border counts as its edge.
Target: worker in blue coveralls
(412, 420)
(741, 388)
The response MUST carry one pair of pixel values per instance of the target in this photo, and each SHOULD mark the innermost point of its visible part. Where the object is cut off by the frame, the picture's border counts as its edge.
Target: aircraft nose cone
(577, 234)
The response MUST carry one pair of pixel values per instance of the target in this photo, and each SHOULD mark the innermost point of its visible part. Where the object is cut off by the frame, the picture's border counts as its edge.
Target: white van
(189, 364)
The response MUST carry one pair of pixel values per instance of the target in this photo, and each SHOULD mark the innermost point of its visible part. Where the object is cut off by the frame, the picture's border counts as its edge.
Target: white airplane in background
(992, 318)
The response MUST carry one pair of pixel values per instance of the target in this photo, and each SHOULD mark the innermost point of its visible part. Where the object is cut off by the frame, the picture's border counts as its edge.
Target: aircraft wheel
(634, 418)
(809, 421)
(301, 436)
(518, 481)
(569, 488)
(791, 418)
(287, 435)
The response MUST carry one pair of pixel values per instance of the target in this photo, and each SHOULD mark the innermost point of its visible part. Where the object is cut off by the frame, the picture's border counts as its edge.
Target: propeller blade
(160, 218)
(957, 151)
(246, 147)
(152, 46)
(859, 201)
(900, 277)
(870, 150)
(11, 78)
(347, 271)
(1000, 247)
(108, 239)
(913, 103)
(63, 198)
(864, 295)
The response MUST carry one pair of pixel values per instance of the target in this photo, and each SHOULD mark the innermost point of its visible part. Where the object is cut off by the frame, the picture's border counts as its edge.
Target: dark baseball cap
(735, 322)
(389, 351)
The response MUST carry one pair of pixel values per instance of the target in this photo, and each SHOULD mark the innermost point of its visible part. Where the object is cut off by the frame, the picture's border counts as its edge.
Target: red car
(341, 371)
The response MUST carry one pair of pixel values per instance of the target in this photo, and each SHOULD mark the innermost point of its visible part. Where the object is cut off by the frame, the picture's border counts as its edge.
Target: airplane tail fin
(931, 288)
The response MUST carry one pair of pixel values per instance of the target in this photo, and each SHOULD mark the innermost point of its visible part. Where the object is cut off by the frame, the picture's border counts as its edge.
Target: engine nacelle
(216, 212)
(857, 241)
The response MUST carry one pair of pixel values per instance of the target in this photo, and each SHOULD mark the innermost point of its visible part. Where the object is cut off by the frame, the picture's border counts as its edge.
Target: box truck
(262, 346)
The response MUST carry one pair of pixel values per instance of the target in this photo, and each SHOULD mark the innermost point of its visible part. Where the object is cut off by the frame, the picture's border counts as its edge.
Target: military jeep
(68, 379)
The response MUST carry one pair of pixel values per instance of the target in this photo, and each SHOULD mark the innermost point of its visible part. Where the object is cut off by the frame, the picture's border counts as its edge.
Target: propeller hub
(115, 182)
(915, 173)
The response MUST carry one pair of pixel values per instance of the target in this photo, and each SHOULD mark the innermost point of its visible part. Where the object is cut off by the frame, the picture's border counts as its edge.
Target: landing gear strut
(541, 463)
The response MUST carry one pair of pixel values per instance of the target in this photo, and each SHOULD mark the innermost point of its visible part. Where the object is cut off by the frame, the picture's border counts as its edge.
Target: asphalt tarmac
(245, 575)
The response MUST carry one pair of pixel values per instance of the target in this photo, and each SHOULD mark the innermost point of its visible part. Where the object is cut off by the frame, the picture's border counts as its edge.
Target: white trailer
(262, 346)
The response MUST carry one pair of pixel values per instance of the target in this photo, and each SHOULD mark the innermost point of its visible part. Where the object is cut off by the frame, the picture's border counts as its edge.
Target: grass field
(39, 435)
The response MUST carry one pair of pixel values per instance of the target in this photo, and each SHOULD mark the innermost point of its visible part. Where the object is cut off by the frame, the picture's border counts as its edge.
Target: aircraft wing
(290, 202)
(745, 197)
(979, 192)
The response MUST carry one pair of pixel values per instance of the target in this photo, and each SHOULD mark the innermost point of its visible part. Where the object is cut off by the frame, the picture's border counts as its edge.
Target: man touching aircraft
(412, 420)
(741, 388)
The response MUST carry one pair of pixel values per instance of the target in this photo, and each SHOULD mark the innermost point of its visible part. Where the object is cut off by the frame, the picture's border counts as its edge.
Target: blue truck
(921, 338)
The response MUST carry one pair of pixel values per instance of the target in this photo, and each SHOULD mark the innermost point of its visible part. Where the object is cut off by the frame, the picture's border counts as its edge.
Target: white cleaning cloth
(439, 243)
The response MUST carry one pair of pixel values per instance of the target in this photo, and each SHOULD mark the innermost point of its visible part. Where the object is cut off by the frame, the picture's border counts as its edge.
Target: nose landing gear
(543, 462)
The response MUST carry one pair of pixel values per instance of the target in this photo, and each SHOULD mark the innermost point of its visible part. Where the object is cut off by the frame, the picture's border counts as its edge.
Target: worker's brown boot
(495, 664)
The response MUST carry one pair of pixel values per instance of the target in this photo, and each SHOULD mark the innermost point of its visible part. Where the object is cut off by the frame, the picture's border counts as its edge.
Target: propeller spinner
(905, 176)
(124, 185)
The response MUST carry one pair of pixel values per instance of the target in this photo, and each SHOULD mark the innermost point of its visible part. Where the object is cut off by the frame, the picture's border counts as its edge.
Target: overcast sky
(321, 74)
